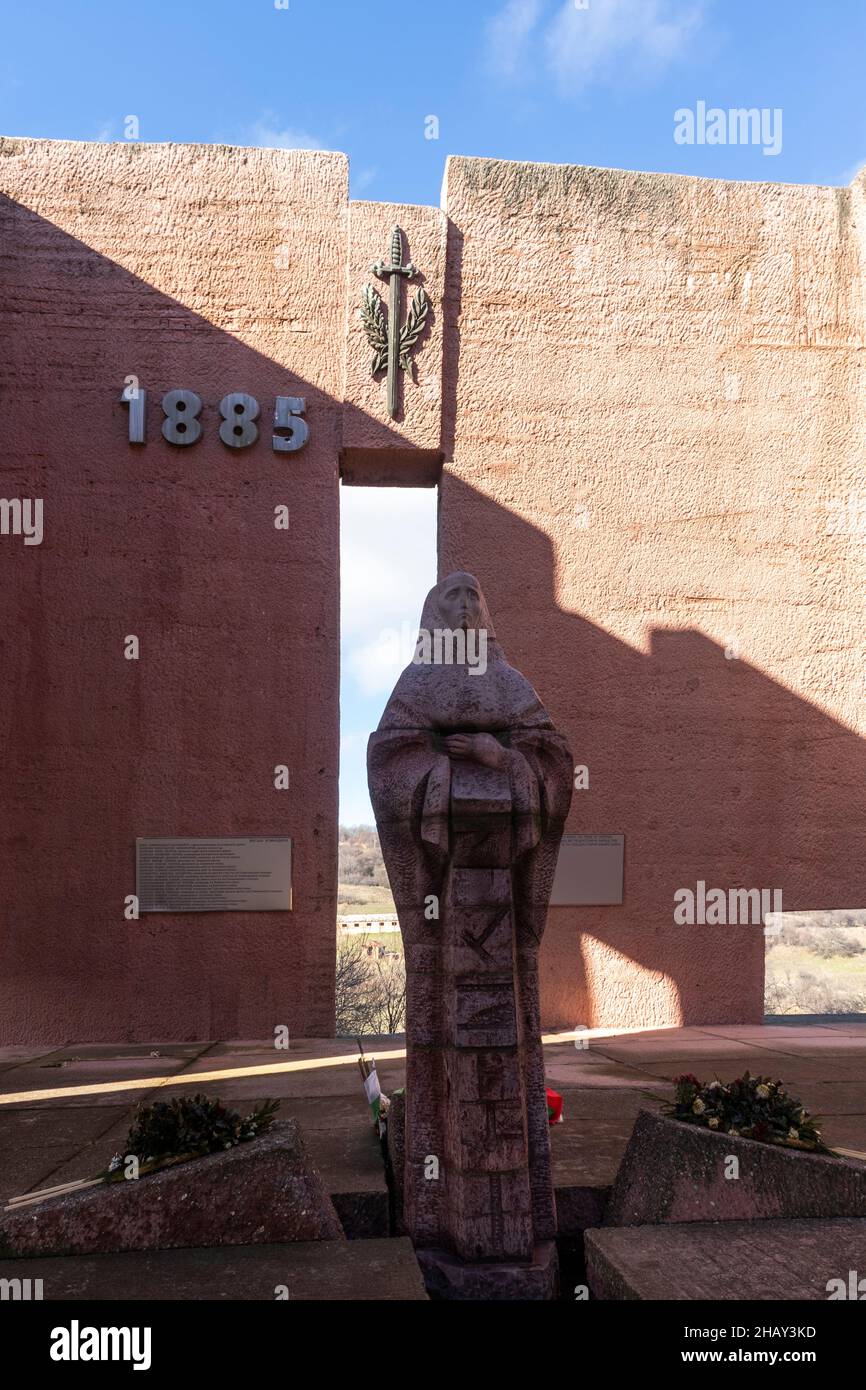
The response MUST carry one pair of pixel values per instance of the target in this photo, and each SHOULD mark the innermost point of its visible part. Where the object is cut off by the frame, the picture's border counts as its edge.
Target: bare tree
(371, 990)
(356, 995)
(391, 972)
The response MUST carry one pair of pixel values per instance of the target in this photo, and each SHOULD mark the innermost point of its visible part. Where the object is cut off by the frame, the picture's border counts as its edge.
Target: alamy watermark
(20, 1290)
(446, 646)
(77, 1343)
(22, 516)
(855, 1288)
(846, 515)
(441, 646)
(739, 125)
(718, 907)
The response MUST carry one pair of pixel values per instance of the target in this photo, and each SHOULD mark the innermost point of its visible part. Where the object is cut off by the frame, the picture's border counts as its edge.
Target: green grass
(353, 899)
(800, 981)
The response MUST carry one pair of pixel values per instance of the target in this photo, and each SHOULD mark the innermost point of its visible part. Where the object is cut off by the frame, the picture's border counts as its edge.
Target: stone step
(321, 1270)
(730, 1260)
(674, 1172)
(268, 1189)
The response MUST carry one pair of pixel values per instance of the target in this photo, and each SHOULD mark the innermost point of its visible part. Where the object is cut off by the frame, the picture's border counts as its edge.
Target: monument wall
(647, 394)
(217, 270)
(656, 415)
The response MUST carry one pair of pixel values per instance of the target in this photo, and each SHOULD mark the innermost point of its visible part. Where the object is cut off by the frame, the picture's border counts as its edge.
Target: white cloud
(579, 46)
(267, 131)
(363, 179)
(388, 563)
(375, 665)
(507, 33)
(850, 174)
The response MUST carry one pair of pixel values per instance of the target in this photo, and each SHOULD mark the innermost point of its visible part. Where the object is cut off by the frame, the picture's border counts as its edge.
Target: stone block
(480, 888)
(485, 1017)
(267, 1190)
(672, 1172)
(785, 1261)
(322, 1271)
(396, 1149)
(449, 1278)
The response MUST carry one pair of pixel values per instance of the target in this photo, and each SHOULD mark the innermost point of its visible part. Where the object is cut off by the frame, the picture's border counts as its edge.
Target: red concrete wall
(218, 270)
(648, 394)
(652, 393)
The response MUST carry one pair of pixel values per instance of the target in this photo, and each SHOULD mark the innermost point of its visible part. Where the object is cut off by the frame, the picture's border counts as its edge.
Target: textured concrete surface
(50, 1134)
(70, 1128)
(470, 784)
(199, 267)
(736, 1260)
(396, 1151)
(322, 1270)
(658, 399)
(450, 1279)
(646, 389)
(58, 1132)
(266, 1190)
(672, 1172)
(375, 449)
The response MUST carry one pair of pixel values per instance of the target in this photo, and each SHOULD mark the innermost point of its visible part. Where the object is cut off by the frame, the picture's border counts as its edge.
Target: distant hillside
(361, 859)
(355, 900)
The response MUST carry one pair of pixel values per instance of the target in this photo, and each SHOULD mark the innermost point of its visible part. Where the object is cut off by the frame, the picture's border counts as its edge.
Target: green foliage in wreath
(189, 1127)
(752, 1107)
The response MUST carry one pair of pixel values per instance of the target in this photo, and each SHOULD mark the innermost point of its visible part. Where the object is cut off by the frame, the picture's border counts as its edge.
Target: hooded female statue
(471, 784)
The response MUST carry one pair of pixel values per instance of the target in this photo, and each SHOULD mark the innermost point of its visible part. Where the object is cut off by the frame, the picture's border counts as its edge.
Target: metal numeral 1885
(239, 414)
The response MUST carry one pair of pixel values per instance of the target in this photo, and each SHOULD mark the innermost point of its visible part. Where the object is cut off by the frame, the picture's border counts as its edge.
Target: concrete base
(323, 1271)
(736, 1261)
(264, 1191)
(674, 1172)
(447, 1277)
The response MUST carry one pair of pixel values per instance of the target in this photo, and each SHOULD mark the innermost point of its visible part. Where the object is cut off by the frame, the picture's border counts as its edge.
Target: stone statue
(471, 785)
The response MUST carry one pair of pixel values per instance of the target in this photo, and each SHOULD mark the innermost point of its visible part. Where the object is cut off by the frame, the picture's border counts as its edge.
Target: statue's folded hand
(458, 745)
(481, 748)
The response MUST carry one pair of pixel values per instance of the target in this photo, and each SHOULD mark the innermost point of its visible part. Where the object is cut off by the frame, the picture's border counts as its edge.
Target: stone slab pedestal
(265, 1191)
(673, 1173)
(779, 1262)
(448, 1277)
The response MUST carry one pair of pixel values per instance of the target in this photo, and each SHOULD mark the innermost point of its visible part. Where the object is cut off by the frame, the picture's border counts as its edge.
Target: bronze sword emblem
(391, 343)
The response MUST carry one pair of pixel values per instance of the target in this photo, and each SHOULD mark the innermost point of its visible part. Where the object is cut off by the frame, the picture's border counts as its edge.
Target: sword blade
(394, 342)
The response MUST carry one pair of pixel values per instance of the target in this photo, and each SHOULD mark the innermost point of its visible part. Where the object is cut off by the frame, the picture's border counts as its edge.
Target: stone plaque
(588, 871)
(244, 873)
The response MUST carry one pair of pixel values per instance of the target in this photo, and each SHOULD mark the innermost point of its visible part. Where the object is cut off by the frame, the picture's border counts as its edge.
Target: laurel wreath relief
(376, 328)
(373, 319)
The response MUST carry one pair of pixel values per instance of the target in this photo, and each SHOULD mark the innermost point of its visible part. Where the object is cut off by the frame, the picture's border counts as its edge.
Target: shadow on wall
(712, 770)
(238, 625)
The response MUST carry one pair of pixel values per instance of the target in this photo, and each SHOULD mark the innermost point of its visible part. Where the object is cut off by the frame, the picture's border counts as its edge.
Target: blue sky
(565, 81)
(519, 79)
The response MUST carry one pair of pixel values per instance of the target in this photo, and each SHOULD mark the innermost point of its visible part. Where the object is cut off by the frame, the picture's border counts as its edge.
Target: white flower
(763, 1092)
(793, 1133)
(714, 1086)
(714, 1123)
(733, 1131)
(698, 1107)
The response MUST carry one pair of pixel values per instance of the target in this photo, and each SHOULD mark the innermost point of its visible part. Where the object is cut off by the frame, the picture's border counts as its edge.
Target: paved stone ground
(380, 1270)
(62, 1113)
(737, 1260)
(65, 1111)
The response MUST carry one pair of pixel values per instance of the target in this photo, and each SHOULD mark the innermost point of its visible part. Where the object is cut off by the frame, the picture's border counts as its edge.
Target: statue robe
(470, 853)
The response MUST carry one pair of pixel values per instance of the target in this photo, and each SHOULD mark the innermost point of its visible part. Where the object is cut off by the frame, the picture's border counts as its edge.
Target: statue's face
(460, 605)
